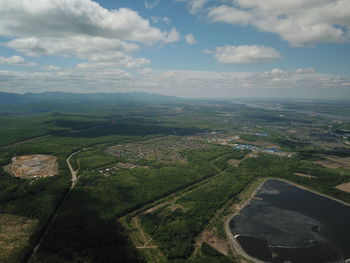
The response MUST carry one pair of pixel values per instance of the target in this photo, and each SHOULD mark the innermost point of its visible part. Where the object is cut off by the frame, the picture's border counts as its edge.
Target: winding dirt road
(72, 171)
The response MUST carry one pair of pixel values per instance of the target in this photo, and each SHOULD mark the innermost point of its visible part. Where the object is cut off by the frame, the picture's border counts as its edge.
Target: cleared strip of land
(344, 187)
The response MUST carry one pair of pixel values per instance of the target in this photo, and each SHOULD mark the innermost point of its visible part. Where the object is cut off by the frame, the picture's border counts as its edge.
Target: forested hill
(12, 98)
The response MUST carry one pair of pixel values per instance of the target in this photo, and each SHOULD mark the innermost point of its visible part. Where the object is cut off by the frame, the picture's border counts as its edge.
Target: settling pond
(284, 223)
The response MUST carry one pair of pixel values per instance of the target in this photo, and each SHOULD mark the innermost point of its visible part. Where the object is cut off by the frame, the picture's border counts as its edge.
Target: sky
(186, 48)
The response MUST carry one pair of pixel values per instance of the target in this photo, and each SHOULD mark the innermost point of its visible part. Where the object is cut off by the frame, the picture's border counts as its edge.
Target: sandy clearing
(305, 175)
(345, 187)
(214, 241)
(33, 166)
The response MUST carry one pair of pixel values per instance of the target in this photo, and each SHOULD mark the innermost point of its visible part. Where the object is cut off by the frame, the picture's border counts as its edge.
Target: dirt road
(72, 171)
(235, 246)
(74, 181)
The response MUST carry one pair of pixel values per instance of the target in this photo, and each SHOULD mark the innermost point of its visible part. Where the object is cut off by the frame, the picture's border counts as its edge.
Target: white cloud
(300, 22)
(304, 70)
(93, 49)
(179, 82)
(122, 61)
(74, 45)
(57, 18)
(172, 36)
(78, 28)
(157, 19)
(166, 20)
(245, 54)
(151, 5)
(195, 6)
(276, 71)
(190, 39)
(15, 60)
(52, 68)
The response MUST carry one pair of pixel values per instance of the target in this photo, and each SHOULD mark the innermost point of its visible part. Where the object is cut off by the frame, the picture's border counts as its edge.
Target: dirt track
(72, 171)
(74, 181)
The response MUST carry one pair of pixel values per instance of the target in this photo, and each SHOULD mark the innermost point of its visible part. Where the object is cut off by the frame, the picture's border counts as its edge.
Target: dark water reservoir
(284, 223)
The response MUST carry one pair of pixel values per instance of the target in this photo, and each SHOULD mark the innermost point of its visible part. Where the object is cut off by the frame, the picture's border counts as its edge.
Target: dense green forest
(83, 224)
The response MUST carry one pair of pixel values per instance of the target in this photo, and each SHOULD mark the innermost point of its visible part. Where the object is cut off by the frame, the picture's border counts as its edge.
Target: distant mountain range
(12, 98)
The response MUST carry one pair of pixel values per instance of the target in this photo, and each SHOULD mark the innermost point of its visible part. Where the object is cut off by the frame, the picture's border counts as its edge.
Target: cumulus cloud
(15, 60)
(57, 18)
(78, 28)
(300, 22)
(190, 39)
(245, 54)
(93, 49)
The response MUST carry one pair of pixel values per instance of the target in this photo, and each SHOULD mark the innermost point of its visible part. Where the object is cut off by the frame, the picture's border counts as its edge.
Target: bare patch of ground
(214, 241)
(345, 187)
(335, 162)
(14, 234)
(154, 208)
(233, 162)
(33, 166)
(174, 207)
(305, 175)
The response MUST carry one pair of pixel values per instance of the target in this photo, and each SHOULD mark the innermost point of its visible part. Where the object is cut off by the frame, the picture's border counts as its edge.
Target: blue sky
(190, 48)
